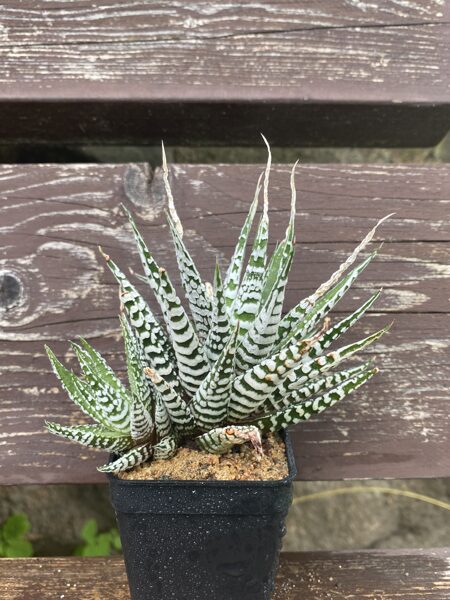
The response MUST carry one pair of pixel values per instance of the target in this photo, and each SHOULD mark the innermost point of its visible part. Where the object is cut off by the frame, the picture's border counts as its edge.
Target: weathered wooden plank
(306, 73)
(55, 287)
(371, 574)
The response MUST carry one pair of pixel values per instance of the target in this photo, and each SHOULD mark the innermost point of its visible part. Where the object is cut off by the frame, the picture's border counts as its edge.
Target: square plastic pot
(202, 540)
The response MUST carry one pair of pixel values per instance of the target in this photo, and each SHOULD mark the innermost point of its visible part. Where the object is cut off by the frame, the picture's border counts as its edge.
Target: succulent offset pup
(237, 368)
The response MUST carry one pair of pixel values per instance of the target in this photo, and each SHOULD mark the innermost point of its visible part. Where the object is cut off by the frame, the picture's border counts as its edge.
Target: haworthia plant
(232, 367)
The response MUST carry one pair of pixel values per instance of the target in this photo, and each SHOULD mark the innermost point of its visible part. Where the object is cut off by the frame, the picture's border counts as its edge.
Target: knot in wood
(10, 291)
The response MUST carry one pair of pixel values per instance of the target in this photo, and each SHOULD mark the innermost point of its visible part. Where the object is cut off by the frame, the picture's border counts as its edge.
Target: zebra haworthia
(226, 366)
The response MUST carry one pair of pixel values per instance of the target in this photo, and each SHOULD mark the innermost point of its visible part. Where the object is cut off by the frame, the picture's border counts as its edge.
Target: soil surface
(242, 463)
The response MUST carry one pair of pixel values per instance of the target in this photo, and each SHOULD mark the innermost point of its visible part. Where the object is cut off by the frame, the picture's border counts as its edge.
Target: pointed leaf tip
(105, 256)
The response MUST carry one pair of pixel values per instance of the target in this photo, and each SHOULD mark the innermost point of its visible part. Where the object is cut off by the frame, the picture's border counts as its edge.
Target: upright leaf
(194, 288)
(233, 276)
(220, 329)
(155, 344)
(141, 390)
(178, 410)
(258, 341)
(191, 360)
(248, 299)
(210, 403)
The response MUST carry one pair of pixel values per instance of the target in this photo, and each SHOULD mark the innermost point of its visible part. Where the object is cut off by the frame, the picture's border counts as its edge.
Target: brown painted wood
(55, 287)
(370, 574)
(304, 72)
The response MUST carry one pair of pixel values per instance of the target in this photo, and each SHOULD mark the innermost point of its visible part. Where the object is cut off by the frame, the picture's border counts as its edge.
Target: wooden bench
(56, 287)
(305, 73)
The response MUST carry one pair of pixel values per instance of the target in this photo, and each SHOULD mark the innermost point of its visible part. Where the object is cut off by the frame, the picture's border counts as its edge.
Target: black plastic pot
(202, 540)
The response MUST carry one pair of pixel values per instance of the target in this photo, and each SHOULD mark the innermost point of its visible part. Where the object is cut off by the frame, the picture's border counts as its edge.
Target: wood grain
(54, 216)
(307, 73)
(370, 574)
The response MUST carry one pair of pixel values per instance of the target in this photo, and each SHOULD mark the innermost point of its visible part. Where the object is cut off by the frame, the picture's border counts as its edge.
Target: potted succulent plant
(221, 383)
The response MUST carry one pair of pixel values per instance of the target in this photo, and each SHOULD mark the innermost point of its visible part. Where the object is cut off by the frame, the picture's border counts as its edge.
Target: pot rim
(292, 468)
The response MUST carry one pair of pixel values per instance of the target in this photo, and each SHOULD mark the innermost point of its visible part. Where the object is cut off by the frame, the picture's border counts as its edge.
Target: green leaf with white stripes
(155, 343)
(141, 390)
(191, 360)
(80, 392)
(304, 317)
(210, 403)
(220, 325)
(258, 341)
(331, 334)
(304, 372)
(93, 436)
(304, 410)
(134, 457)
(194, 288)
(233, 276)
(318, 384)
(247, 301)
(101, 367)
(221, 439)
(115, 403)
(166, 448)
(251, 389)
(179, 412)
(163, 424)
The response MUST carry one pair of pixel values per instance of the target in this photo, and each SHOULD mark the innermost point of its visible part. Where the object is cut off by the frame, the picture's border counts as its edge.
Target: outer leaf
(220, 325)
(233, 276)
(303, 317)
(222, 439)
(333, 333)
(307, 371)
(191, 359)
(193, 286)
(251, 389)
(210, 403)
(135, 456)
(155, 344)
(303, 411)
(94, 436)
(101, 367)
(81, 393)
(141, 390)
(305, 305)
(177, 408)
(319, 384)
(116, 404)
